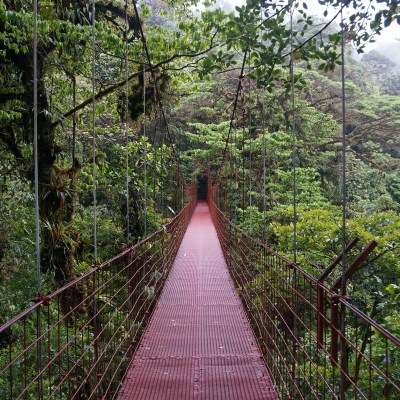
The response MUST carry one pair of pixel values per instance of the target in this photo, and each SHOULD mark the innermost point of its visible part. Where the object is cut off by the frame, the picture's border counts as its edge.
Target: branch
(112, 88)
(331, 97)
(365, 158)
(357, 131)
(321, 30)
(122, 58)
(311, 37)
(382, 253)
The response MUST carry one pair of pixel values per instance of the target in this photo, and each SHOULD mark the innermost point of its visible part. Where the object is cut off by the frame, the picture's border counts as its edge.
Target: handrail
(315, 280)
(315, 343)
(82, 350)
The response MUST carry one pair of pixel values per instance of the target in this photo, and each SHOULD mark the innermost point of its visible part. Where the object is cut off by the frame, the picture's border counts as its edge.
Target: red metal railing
(77, 342)
(315, 343)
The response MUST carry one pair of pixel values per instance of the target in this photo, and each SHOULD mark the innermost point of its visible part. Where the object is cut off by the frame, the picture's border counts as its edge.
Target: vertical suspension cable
(35, 142)
(243, 166)
(95, 322)
(182, 195)
(163, 131)
(154, 144)
(250, 177)
(238, 91)
(94, 128)
(294, 138)
(126, 124)
(295, 298)
(235, 171)
(36, 173)
(145, 144)
(74, 91)
(243, 137)
(344, 183)
(251, 154)
(158, 159)
(343, 379)
(231, 200)
(264, 151)
(152, 71)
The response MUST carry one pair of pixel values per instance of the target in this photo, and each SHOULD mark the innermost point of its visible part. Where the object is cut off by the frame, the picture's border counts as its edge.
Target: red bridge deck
(198, 344)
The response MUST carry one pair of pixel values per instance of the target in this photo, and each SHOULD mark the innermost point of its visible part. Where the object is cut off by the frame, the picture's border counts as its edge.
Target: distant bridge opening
(202, 182)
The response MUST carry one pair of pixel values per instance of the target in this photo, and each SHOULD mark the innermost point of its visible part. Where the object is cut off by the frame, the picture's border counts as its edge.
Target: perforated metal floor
(198, 344)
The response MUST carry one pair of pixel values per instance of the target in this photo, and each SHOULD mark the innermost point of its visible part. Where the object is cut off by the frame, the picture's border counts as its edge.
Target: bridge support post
(320, 317)
(334, 329)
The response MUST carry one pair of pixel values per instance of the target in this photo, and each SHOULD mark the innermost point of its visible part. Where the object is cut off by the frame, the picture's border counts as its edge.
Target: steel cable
(36, 184)
(74, 116)
(294, 137)
(35, 142)
(294, 166)
(239, 86)
(343, 378)
(344, 183)
(94, 129)
(250, 154)
(145, 148)
(264, 151)
(127, 123)
(153, 74)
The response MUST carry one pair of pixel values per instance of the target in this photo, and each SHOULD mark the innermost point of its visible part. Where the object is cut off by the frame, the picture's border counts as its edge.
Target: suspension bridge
(198, 309)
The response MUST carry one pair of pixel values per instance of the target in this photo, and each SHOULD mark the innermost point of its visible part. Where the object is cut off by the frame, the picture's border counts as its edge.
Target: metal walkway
(198, 344)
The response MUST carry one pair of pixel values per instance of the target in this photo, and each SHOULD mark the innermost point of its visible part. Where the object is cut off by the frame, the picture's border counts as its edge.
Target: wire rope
(74, 122)
(243, 165)
(250, 155)
(344, 177)
(294, 136)
(36, 184)
(152, 72)
(239, 87)
(231, 201)
(145, 148)
(127, 124)
(264, 151)
(154, 144)
(343, 379)
(295, 297)
(236, 187)
(162, 169)
(95, 323)
(94, 129)
(35, 143)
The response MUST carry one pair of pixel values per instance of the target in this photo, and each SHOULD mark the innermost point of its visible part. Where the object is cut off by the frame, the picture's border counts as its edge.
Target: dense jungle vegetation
(196, 55)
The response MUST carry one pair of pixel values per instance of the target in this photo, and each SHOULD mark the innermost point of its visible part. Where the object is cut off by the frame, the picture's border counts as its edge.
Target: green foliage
(195, 53)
